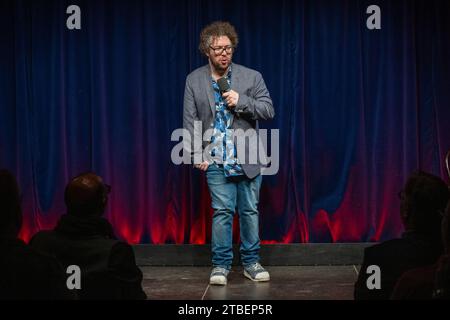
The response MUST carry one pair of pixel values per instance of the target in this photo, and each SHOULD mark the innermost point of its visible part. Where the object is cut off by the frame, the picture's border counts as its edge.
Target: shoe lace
(256, 266)
(219, 269)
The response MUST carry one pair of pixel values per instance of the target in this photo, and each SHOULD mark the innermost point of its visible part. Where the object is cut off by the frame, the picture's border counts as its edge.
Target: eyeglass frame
(222, 49)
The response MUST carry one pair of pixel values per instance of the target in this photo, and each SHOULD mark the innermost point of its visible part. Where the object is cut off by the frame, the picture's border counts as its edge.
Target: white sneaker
(218, 276)
(256, 272)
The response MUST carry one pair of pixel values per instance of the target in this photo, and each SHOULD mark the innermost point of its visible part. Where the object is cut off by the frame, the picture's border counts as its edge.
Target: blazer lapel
(235, 84)
(209, 89)
(235, 77)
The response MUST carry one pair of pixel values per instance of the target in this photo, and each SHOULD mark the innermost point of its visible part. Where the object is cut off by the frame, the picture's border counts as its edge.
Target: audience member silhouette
(25, 274)
(84, 238)
(431, 281)
(441, 283)
(422, 202)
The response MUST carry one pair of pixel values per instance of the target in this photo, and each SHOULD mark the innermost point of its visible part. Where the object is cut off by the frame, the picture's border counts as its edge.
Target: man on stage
(223, 97)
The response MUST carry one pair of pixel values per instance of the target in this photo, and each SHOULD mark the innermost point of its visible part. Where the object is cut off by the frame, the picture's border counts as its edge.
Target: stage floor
(287, 283)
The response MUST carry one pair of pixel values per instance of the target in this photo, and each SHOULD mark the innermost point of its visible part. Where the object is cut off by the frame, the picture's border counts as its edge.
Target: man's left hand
(231, 98)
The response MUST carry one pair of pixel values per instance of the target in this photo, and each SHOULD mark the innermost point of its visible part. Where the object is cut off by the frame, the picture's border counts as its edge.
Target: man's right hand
(202, 166)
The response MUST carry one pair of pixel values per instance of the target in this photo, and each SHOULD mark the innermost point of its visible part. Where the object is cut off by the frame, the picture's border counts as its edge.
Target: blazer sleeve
(259, 106)
(190, 116)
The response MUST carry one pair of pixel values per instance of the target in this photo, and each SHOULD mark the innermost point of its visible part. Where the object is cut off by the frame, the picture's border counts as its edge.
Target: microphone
(223, 85)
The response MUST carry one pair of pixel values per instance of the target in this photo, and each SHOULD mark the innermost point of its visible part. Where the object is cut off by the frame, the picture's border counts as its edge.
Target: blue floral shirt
(222, 138)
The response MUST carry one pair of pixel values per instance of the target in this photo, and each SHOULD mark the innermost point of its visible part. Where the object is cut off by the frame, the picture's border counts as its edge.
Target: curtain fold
(358, 110)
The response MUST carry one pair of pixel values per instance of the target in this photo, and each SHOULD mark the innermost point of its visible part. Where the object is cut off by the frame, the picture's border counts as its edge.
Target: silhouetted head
(86, 195)
(423, 202)
(10, 210)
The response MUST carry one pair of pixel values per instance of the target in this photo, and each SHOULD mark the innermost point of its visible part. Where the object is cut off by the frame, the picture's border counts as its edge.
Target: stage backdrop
(358, 110)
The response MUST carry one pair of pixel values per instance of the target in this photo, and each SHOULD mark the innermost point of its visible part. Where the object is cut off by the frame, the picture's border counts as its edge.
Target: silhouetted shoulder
(123, 253)
(403, 249)
(41, 235)
(384, 249)
(415, 284)
(42, 239)
(36, 275)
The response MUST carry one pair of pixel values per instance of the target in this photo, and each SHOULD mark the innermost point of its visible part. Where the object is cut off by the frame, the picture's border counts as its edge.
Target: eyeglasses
(219, 50)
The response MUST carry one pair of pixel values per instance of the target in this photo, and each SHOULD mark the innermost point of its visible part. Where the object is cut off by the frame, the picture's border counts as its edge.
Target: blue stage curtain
(358, 110)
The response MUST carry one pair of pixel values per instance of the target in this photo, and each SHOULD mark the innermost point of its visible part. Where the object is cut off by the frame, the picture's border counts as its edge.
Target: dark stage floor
(287, 282)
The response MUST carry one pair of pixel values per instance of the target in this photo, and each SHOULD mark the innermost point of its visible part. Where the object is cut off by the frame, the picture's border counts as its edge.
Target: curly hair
(215, 30)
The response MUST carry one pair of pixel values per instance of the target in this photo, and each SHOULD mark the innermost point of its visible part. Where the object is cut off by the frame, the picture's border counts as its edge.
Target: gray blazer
(254, 104)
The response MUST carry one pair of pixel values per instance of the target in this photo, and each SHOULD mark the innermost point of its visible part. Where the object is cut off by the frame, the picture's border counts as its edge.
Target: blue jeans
(226, 194)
